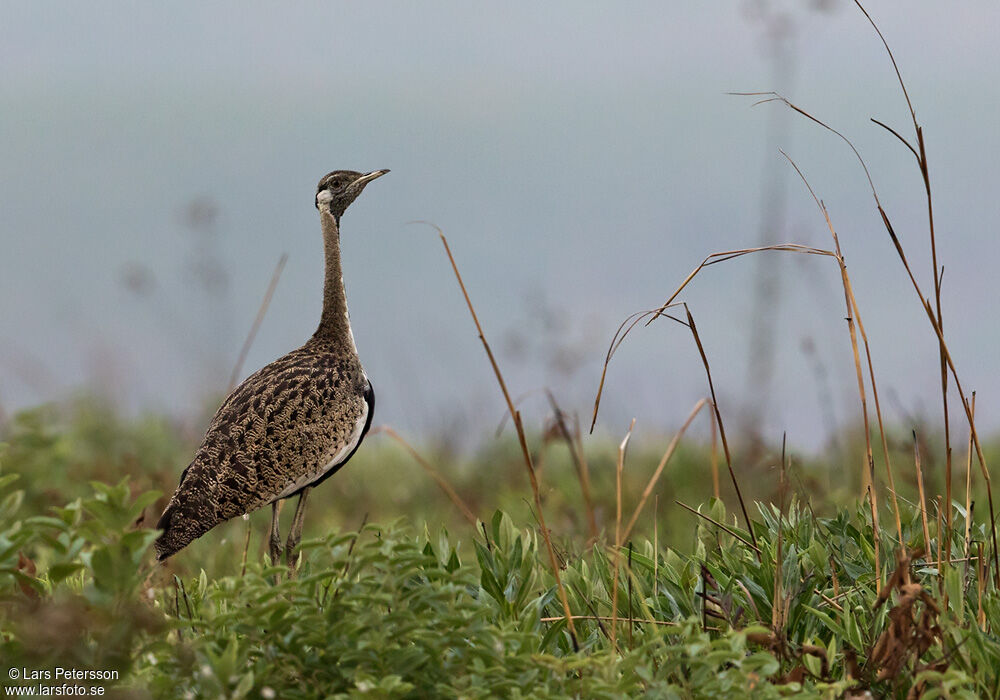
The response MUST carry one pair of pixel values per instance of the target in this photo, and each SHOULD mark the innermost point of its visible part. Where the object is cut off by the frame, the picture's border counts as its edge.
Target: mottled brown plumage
(288, 426)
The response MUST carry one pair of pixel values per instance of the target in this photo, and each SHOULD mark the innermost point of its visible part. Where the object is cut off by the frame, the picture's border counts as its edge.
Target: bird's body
(288, 426)
(291, 424)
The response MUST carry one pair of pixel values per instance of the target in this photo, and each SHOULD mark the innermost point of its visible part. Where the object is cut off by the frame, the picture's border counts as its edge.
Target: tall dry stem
(713, 457)
(651, 485)
(777, 619)
(619, 469)
(431, 471)
(928, 309)
(651, 315)
(519, 428)
(261, 312)
(968, 482)
(920, 491)
(575, 445)
(936, 270)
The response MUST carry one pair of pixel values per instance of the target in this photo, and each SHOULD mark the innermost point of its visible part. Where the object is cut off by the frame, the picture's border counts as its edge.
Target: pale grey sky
(574, 153)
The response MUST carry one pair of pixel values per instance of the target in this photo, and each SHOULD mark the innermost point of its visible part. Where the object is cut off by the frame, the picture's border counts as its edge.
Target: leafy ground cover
(433, 610)
(479, 592)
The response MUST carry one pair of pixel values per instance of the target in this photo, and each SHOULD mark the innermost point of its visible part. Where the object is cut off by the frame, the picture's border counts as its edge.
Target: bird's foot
(295, 534)
(275, 538)
(292, 554)
(275, 550)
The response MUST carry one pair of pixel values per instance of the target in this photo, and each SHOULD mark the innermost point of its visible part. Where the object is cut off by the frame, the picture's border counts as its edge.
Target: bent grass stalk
(241, 358)
(579, 461)
(921, 493)
(713, 457)
(719, 525)
(619, 470)
(433, 473)
(261, 312)
(924, 301)
(777, 606)
(649, 316)
(968, 483)
(519, 428)
(937, 271)
(660, 467)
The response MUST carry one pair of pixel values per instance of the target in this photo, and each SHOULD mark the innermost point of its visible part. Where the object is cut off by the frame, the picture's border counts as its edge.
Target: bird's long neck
(334, 324)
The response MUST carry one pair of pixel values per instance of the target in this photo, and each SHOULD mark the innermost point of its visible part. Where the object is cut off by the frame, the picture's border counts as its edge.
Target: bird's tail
(177, 532)
(188, 515)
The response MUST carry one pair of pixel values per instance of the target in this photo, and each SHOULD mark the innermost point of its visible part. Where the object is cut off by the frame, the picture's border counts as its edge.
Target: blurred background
(158, 160)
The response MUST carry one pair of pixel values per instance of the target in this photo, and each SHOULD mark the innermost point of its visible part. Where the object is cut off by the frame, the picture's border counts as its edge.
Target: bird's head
(338, 189)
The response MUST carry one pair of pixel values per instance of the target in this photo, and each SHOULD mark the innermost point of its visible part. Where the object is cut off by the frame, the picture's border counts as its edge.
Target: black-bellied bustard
(288, 426)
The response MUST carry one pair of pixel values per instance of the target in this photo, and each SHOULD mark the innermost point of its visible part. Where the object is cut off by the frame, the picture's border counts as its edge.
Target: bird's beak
(365, 179)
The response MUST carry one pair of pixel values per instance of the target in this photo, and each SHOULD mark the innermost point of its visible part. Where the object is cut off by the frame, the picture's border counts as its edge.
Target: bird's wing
(285, 427)
(341, 452)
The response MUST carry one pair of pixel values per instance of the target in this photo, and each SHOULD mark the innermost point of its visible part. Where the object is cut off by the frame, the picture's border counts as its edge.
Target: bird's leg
(295, 535)
(275, 541)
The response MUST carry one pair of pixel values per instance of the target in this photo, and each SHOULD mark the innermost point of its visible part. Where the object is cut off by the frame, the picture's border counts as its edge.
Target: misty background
(156, 161)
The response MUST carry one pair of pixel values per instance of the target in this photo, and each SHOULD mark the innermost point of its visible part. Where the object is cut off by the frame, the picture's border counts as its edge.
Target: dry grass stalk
(656, 532)
(241, 358)
(854, 315)
(943, 558)
(651, 485)
(920, 490)
(947, 472)
(431, 471)
(578, 439)
(575, 446)
(980, 586)
(619, 469)
(519, 428)
(713, 458)
(246, 549)
(718, 418)
(602, 618)
(347, 565)
(177, 608)
(828, 600)
(937, 272)
(719, 525)
(651, 315)
(968, 481)
(968, 542)
(928, 310)
(631, 618)
(777, 619)
(958, 387)
(910, 633)
(978, 445)
(261, 312)
(864, 411)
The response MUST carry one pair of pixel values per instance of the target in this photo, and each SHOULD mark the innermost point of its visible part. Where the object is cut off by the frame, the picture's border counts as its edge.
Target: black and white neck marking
(334, 194)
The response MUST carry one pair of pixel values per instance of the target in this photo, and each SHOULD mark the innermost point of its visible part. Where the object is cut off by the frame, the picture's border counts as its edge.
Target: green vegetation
(480, 592)
(455, 610)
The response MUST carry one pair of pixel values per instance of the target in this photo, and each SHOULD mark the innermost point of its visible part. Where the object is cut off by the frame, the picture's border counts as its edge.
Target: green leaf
(244, 686)
(60, 572)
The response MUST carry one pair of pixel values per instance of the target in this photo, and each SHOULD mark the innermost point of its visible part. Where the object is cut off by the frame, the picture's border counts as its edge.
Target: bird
(290, 425)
